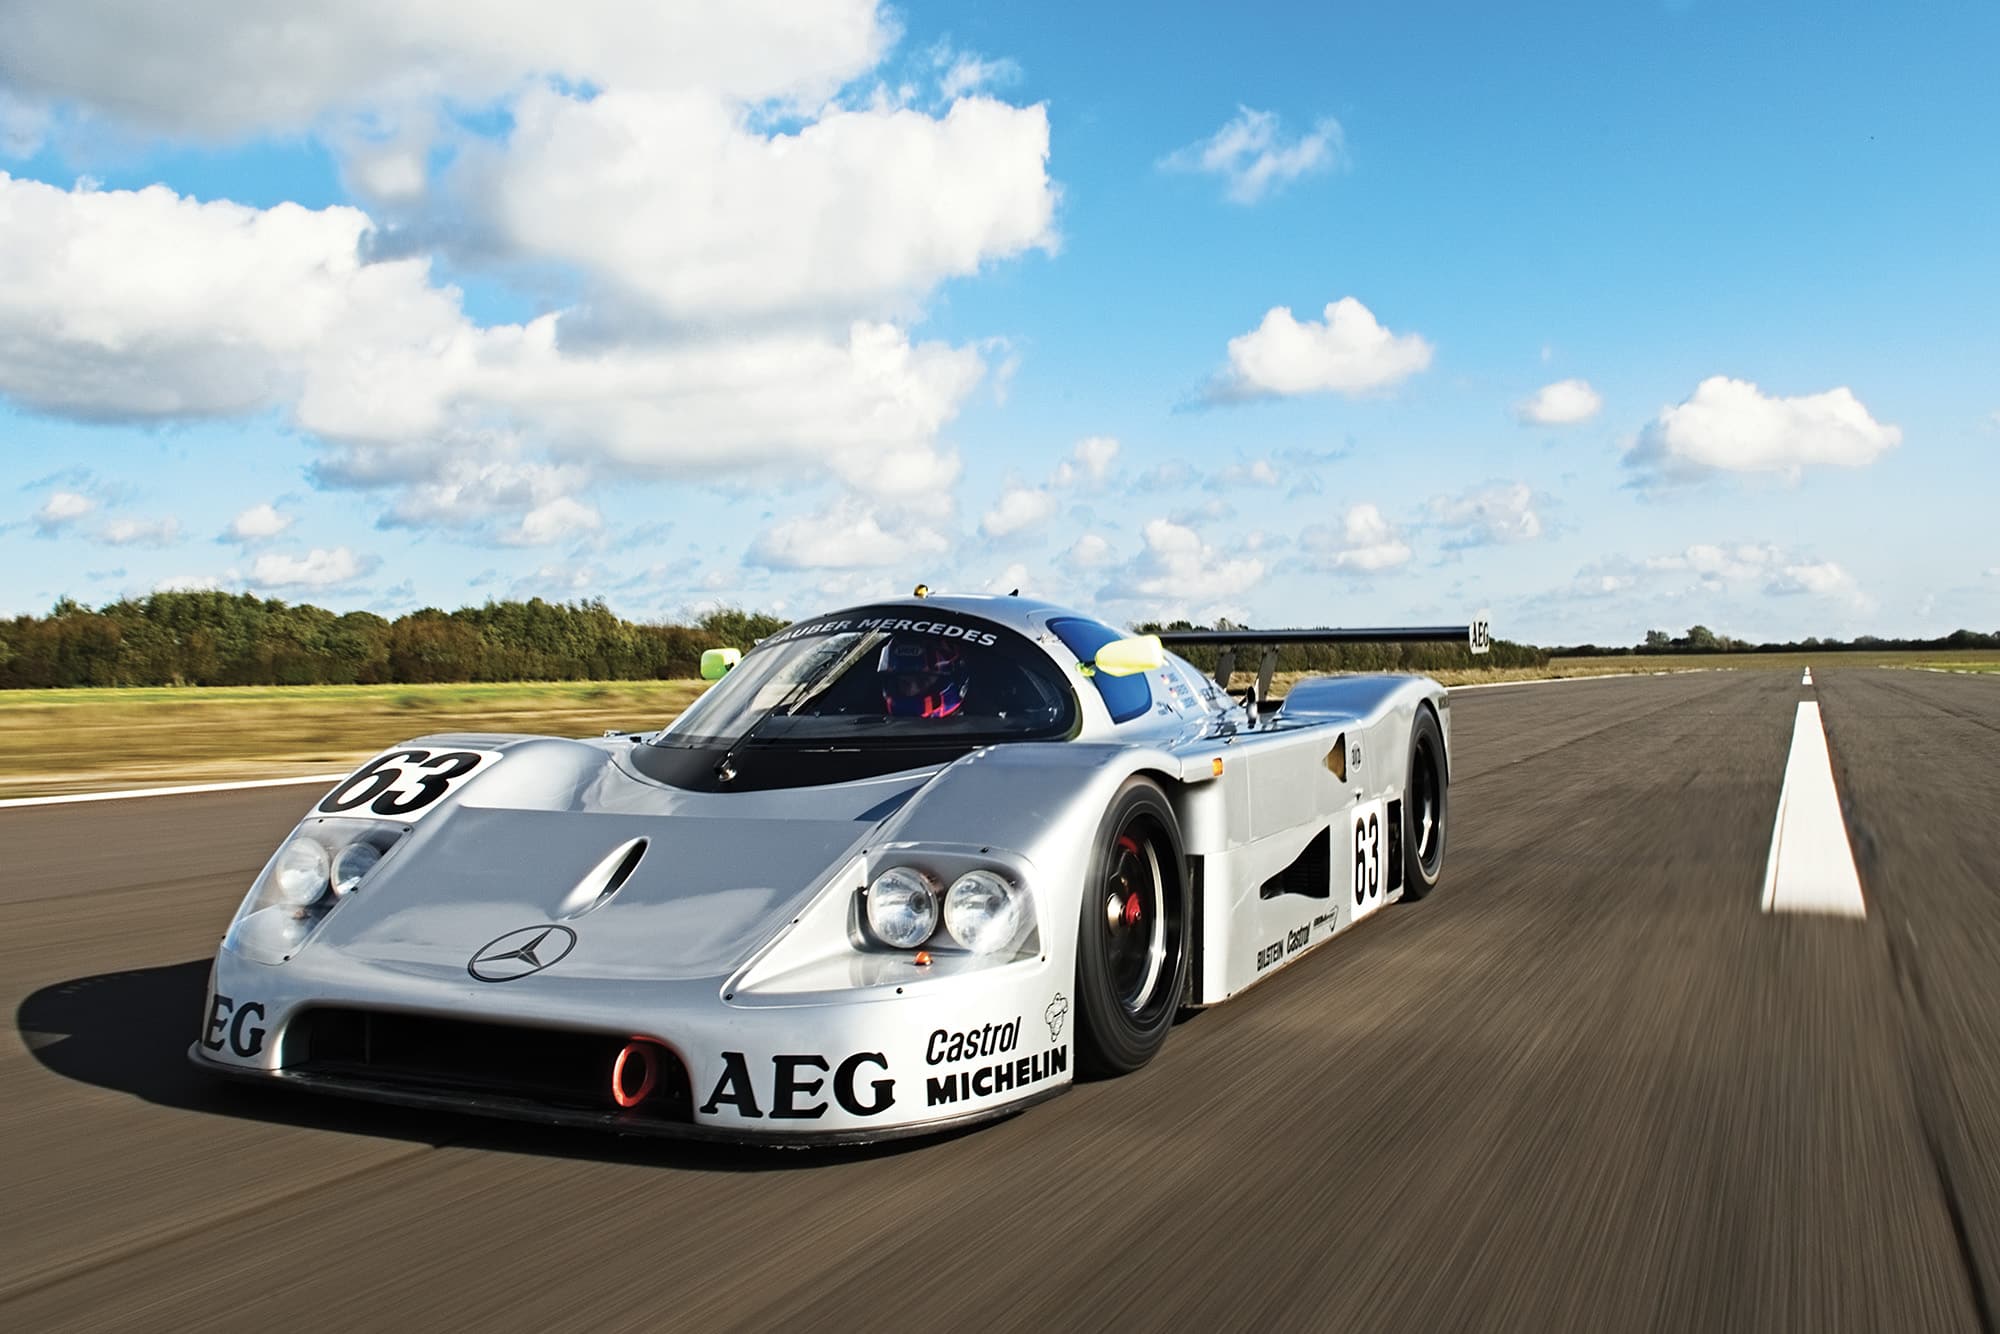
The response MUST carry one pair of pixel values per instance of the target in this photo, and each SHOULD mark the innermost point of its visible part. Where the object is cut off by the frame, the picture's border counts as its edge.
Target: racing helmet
(921, 678)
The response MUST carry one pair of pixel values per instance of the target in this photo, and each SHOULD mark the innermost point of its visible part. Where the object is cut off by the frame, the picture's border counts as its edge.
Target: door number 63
(1367, 857)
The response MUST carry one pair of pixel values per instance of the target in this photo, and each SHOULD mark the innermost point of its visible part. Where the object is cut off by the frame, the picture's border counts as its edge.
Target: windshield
(882, 675)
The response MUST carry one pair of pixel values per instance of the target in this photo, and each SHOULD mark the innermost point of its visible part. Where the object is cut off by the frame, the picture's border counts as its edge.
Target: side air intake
(1310, 874)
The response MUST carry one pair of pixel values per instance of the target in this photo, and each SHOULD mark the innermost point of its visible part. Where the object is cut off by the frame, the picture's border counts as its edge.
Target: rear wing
(1477, 638)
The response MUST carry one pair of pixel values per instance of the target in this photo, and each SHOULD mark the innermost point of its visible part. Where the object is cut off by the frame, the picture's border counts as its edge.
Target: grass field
(54, 741)
(83, 740)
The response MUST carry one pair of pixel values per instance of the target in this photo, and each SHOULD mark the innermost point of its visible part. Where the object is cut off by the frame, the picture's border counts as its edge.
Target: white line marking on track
(1566, 680)
(128, 793)
(1808, 680)
(1811, 868)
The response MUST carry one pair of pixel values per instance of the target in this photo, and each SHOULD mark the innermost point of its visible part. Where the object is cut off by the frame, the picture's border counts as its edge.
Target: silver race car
(902, 867)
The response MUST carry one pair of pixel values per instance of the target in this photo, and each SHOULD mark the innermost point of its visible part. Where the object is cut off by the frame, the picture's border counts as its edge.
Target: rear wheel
(1131, 944)
(1424, 808)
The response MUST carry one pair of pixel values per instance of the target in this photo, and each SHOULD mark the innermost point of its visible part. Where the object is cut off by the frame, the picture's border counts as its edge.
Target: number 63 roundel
(405, 784)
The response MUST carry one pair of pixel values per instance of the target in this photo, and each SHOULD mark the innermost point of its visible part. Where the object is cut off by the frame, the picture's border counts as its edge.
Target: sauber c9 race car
(901, 867)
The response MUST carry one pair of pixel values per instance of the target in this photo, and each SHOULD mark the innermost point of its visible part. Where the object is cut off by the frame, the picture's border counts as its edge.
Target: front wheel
(1424, 808)
(1131, 943)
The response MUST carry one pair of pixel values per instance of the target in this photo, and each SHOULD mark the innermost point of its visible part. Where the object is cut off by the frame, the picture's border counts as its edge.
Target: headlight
(984, 912)
(300, 873)
(352, 864)
(291, 899)
(902, 907)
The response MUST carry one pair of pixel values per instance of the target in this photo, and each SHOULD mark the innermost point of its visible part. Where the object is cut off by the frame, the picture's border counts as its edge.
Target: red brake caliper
(1129, 912)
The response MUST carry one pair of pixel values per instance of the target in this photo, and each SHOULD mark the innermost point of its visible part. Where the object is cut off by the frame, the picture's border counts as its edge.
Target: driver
(921, 678)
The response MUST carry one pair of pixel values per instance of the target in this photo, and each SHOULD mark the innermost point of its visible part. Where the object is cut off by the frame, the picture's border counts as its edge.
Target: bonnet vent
(604, 879)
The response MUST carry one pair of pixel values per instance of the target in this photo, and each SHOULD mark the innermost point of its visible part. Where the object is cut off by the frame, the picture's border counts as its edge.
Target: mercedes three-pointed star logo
(521, 953)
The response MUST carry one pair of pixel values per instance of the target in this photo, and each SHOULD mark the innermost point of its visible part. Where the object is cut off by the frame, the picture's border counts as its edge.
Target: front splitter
(619, 1122)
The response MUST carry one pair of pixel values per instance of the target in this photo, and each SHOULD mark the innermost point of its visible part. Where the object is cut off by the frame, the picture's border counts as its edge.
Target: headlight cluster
(984, 912)
(323, 861)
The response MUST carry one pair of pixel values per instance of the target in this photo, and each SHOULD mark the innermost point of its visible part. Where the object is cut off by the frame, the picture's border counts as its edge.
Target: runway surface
(1587, 1084)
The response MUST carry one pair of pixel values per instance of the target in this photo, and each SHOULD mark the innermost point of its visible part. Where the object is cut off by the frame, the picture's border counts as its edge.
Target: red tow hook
(638, 1052)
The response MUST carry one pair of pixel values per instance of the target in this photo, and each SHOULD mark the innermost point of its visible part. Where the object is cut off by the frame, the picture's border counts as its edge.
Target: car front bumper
(644, 1056)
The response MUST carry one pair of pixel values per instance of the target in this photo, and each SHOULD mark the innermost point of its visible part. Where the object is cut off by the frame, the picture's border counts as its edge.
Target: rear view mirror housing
(1129, 657)
(716, 662)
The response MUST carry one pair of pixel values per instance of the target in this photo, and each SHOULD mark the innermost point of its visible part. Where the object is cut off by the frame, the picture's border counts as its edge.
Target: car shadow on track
(129, 1032)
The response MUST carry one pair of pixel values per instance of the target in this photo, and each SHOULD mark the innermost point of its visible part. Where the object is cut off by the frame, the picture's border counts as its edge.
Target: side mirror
(716, 662)
(1129, 657)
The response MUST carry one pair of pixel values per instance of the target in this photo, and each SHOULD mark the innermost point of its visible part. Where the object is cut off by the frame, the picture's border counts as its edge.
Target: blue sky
(1603, 317)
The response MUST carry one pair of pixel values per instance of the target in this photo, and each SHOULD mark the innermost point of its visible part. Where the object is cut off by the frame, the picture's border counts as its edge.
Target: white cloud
(1732, 426)
(322, 567)
(148, 306)
(1257, 472)
(1564, 403)
(1720, 567)
(965, 73)
(1820, 578)
(395, 172)
(1497, 513)
(1601, 584)
(1019, 508)
(140, 532)
(1350, 353)
(686, 205)
(1177, 573)
(1013, 577)
(748, 230)
(845, 536)
(561, 581)
(462, 494)
(1089, 462)
(556, 520)
(223, 68)
(1252, 154)
(259, 523)
(847, 587)
(1022, 508)
(1714, 562)
(1367, 543)
(1088, 552)
(62, 509)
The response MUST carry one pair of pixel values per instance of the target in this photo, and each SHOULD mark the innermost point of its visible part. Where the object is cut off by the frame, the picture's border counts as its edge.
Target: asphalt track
(1586, 1085)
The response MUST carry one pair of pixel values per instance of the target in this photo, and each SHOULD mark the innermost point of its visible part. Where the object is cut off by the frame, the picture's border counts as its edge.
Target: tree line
(230, 639)
(1701, 639)
(226, 639)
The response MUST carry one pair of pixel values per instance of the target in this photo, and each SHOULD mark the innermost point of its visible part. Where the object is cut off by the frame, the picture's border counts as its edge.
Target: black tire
(1132, 939)
(1424, 808)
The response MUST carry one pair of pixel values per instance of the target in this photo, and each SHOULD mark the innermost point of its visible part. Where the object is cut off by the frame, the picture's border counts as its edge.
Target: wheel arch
(1185, 798)
(1441, 718)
